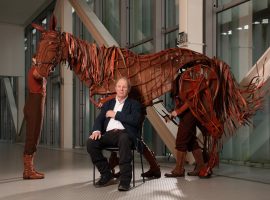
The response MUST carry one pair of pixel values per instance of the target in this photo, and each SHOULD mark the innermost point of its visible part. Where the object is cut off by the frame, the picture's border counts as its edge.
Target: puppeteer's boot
(40, 173)
(29, 172)
(197, 153)
(179, 170)
(154, 171)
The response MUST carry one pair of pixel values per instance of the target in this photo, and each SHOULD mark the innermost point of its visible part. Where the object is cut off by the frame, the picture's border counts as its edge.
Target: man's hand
(96, 135)
(110, 113)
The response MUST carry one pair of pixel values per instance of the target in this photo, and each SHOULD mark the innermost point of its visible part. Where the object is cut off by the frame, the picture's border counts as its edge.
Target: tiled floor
(69, 176)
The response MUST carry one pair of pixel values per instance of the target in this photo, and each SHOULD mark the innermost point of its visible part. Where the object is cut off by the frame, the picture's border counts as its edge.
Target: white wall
(191, 22)
(11, 50)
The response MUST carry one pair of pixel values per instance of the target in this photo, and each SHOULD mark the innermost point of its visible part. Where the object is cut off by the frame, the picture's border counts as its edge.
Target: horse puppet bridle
(49, 51)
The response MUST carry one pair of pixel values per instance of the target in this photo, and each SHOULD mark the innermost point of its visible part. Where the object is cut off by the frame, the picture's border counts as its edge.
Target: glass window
(34, 41)
(241, 30)
(78, 27)
(223, 2)
(111, 17)
(172, 13)
(171, 23)
(234, 38)
(25, 44)
(44, 23)
(91, 3)
(144, 48)
(171, 39)
(260, 27)
(243, 35)
(141, 19)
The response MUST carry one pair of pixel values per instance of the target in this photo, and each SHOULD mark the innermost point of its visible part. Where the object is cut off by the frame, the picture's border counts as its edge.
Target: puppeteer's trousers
(186, 139)
(33, 114)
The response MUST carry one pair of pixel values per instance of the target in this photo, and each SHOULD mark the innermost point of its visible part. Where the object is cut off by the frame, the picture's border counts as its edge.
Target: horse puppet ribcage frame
(207, 85)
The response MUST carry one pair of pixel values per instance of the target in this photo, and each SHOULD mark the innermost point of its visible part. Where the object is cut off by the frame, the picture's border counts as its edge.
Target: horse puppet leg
(206, 171)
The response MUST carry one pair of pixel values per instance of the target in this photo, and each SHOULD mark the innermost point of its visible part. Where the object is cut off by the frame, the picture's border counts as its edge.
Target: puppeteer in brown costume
(33, 114)
(186, 139)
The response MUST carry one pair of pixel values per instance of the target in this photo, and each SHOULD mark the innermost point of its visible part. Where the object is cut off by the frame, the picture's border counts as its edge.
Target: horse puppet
(206, 85)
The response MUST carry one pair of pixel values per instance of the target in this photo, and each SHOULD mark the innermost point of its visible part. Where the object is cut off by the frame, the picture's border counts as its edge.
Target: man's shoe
(104, 180)
(123, 187)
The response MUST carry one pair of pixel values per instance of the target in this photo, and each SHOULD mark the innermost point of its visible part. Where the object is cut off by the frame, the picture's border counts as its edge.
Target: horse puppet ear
(38, 27)
(53, 23)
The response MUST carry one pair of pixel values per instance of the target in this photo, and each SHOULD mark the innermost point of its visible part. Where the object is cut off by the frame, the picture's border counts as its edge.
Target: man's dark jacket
(130, 117)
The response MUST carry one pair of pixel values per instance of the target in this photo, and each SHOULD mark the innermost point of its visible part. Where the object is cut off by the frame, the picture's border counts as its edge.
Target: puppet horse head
(49, 51)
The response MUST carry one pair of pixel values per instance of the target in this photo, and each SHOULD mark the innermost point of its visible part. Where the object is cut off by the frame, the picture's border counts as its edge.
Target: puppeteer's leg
(197, 153)
(206, 171)
(199, 162)
(179, 170)
(33, 112)
(185, 134)
(154, 171)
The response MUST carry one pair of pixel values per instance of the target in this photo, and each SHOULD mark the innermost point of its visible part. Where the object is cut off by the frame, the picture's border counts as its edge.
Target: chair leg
(133, 168)
(142, 166)
(94, 174)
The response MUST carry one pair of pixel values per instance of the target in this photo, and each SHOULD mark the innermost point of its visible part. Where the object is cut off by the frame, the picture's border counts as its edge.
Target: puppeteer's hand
(96, 135)
(36, 75)
(173, 114)
(110, 113)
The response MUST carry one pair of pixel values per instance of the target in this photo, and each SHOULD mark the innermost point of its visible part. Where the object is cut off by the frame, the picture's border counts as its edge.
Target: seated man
(116, 125)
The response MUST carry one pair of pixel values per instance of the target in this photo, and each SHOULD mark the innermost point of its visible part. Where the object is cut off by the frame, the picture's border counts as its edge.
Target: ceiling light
(256, 22)
(246, 27)
(229, 32)
(239, 28)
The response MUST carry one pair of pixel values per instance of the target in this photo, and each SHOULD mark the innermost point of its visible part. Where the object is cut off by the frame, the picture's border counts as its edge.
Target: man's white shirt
(115, 124)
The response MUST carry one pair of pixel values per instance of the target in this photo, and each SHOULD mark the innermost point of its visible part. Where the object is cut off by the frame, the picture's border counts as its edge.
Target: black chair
(137, 148)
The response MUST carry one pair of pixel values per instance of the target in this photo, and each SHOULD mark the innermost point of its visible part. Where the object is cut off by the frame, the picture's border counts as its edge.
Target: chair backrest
(139, 143)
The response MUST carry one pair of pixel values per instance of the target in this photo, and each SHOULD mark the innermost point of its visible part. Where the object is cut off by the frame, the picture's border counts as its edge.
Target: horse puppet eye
(53, 68)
